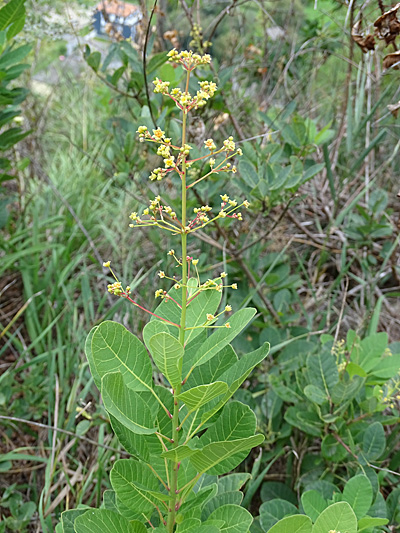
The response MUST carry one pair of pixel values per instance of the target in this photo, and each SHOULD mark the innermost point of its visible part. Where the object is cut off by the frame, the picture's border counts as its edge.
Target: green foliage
(172, 451)
(12, 19)
(328, 418)
(119, 360)
(348, 511)
(338, 393)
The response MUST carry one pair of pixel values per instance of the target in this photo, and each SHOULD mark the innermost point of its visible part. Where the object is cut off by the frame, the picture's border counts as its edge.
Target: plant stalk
(175, 420)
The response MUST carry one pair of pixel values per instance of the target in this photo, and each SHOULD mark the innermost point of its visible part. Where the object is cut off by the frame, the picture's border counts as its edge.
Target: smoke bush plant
(183, 433)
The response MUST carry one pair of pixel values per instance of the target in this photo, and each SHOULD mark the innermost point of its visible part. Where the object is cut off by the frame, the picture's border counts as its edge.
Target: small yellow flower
(227, 325)
(158, 293)
(177, 286)
(234, 286)
(210, 317)
(185, 99)
(161, 274)
(159, 133)
(222, 214)
(229, 145)
(246, 204)
(169, 162)
(223, 274)
(171, 252)
(107, 264)
(172, 54)
(224, 197)
(195, 261)
(228, 308)
(210, 144)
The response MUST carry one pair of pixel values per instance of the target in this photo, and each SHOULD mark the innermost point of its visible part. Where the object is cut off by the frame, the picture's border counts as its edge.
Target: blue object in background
(122, 16)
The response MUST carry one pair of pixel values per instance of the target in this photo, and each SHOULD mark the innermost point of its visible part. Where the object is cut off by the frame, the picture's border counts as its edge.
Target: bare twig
(146, 42)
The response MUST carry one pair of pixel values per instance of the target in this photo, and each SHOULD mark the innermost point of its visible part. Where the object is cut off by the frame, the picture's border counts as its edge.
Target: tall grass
(75, 217)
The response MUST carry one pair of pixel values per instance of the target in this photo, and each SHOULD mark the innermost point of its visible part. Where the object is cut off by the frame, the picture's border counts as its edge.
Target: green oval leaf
(237, 519)
(237, 421)
(292, 524)
(115, 349)
(167, 353)
(274, 510)
(223, 336)
(339, 517)
(106, 521)
(126, 405)
(358, 493)
(213, 454)
(133, 483)
(199, 396)
(313, 504)
(374, 441)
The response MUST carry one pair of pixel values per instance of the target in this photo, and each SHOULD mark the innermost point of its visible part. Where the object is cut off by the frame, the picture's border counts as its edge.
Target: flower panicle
(176, 159)
(188, 59)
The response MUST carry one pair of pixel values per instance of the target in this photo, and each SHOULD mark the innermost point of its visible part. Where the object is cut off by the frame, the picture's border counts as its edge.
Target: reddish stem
(193, 297)
(147, 311)
(175, 100)
(178, 304)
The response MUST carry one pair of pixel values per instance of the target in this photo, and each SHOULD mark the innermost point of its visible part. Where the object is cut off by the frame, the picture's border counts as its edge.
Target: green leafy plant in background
(181, 430)
(12, 55)
(339, 392)
(326, 509)
(336, 404)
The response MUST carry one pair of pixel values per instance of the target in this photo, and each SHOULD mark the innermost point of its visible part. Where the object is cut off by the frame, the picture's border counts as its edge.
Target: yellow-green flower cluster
(164, 150)
(201, 213)
(157, 174)
(184, 100)
(211, 318)
(210, 144)
(158, 135)
(155, 208)
(228, 208)
(161, 86)
(392, 393)
(188, 59)
(117, 289)
(135, 217)
(229, 145)
(207, 91)
(197, 33)
(185, 150)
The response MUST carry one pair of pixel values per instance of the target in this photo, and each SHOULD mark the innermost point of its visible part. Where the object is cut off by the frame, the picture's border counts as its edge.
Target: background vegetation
(317, 255)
